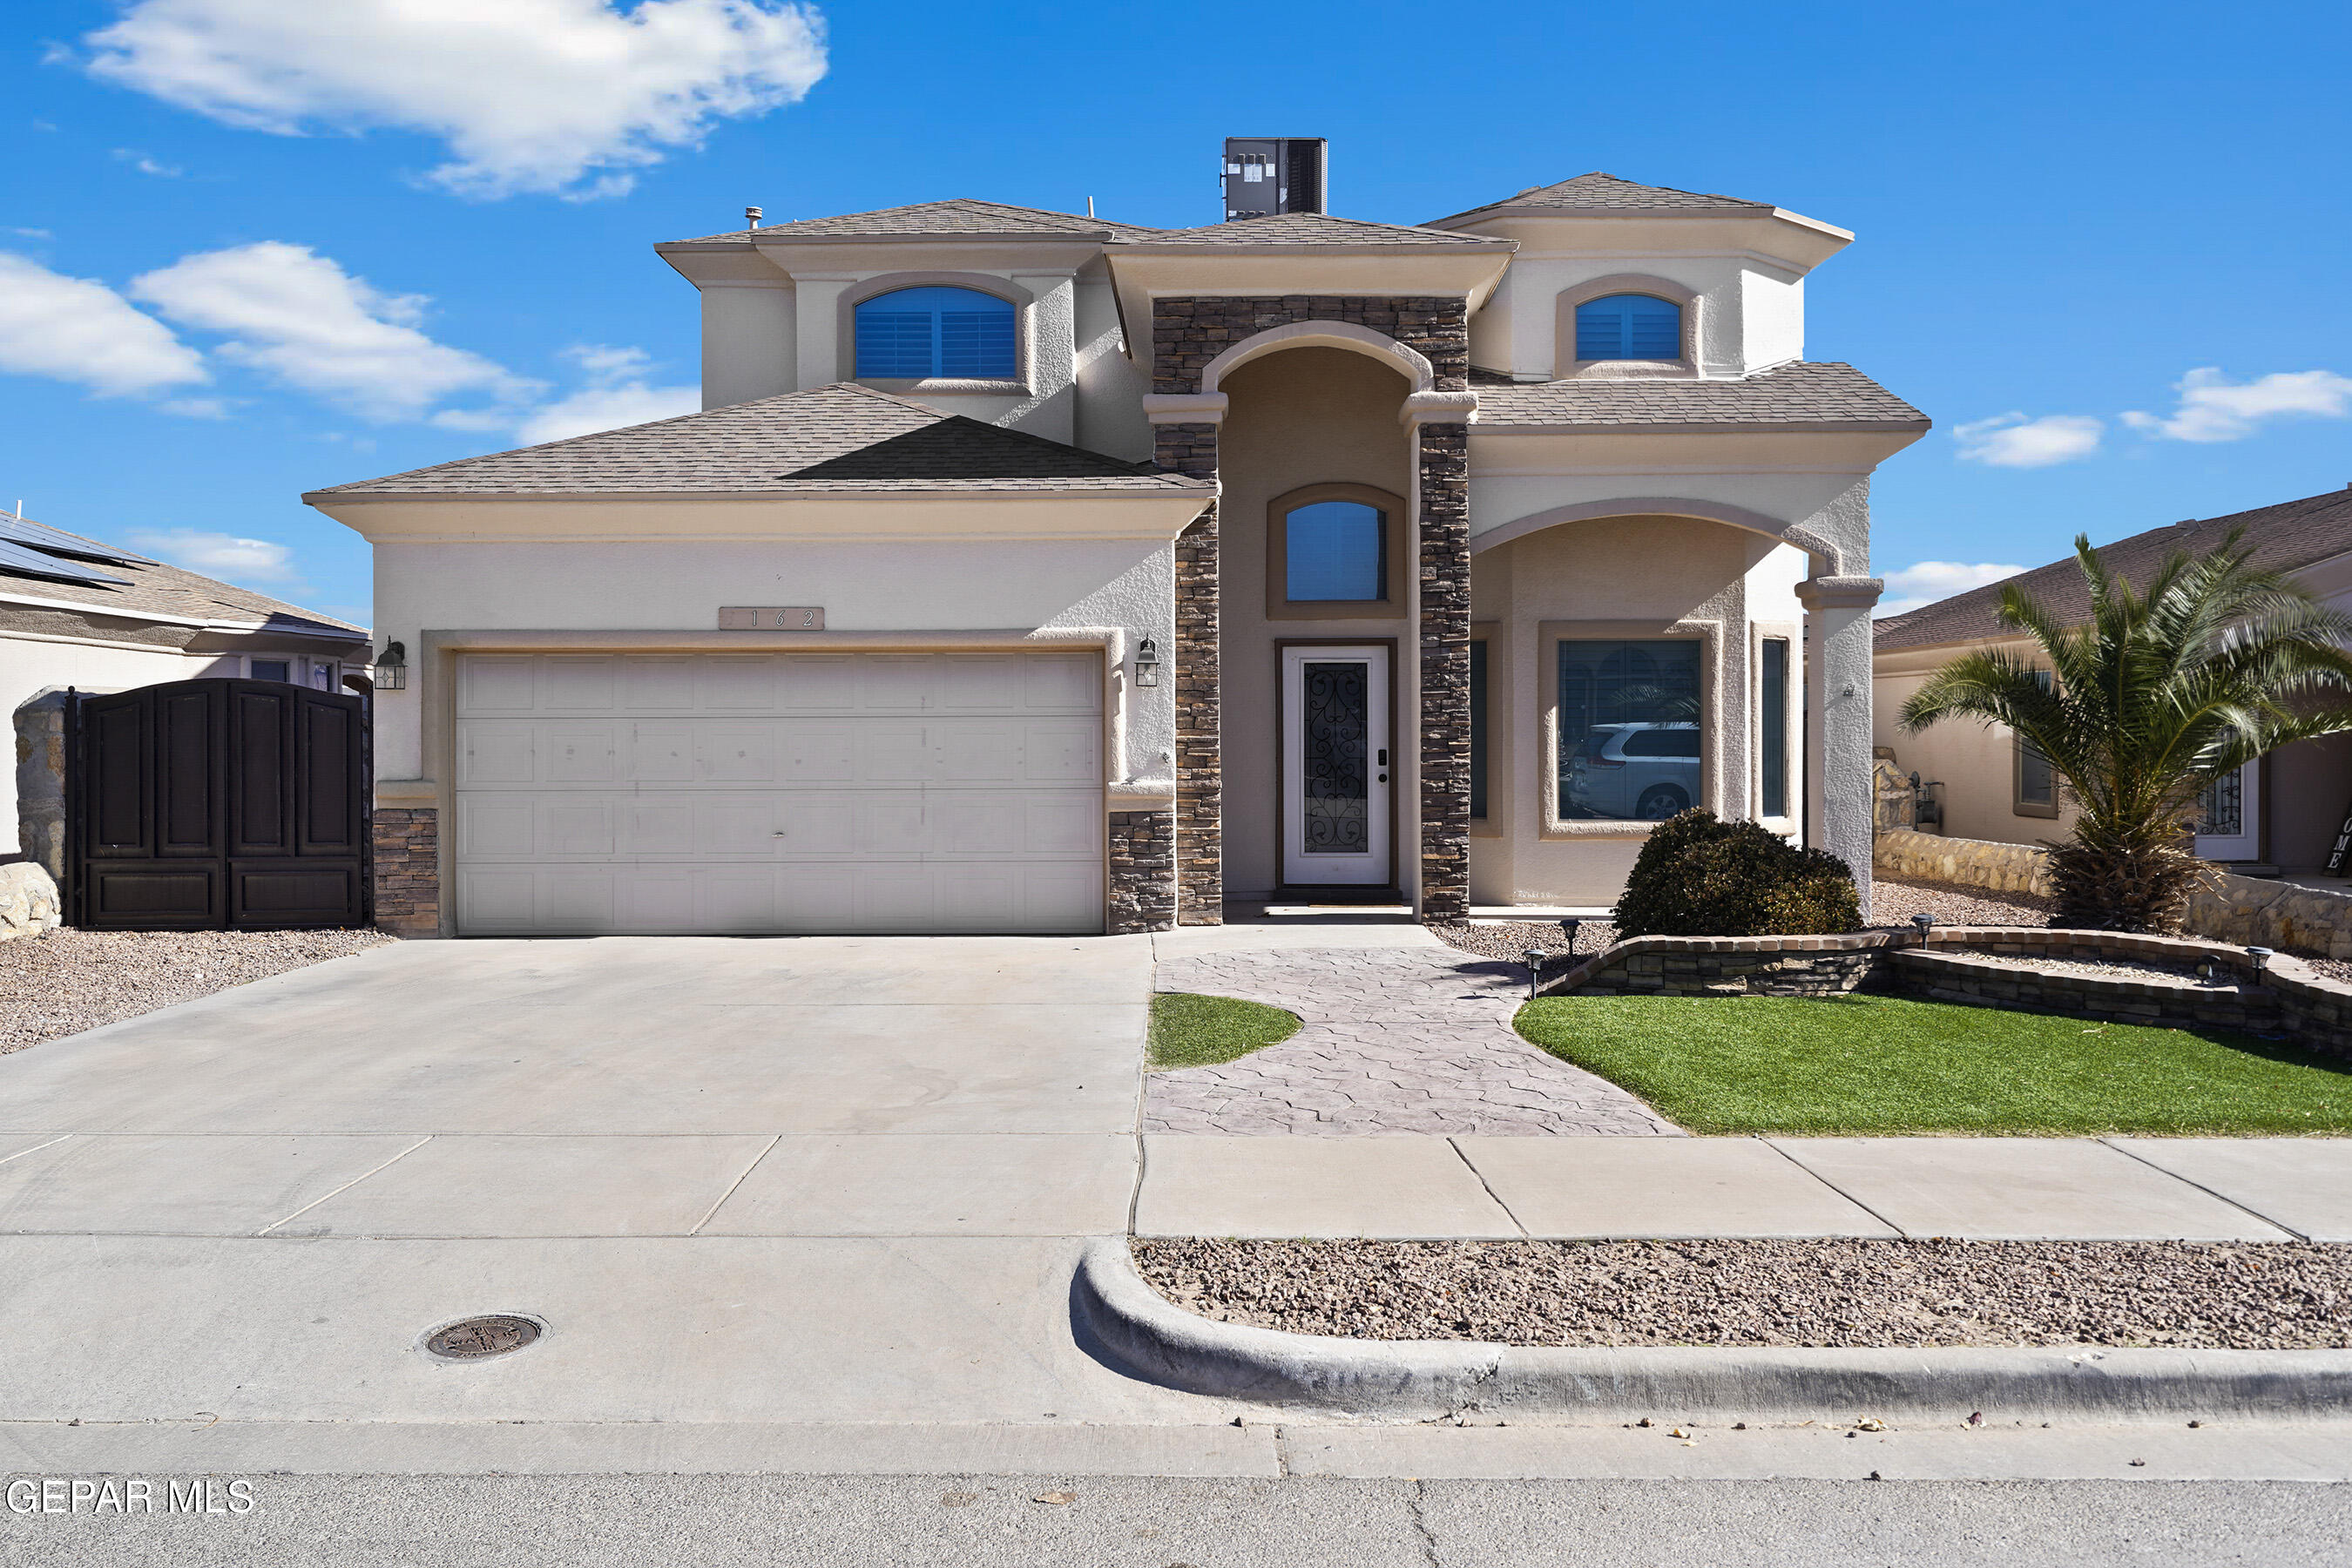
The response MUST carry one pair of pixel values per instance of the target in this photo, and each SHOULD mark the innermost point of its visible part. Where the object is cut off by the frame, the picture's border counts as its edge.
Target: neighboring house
(1027, 572)
(2282, 810)
(75, 612)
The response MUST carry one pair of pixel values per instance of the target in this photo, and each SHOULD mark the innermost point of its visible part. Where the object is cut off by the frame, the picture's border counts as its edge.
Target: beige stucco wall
(1298, 417)
(1617, 571)
(1977, 763)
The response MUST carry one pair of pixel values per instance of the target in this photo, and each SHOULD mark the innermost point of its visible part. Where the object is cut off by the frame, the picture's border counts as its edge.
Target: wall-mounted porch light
(391, 672)
(1147, 662)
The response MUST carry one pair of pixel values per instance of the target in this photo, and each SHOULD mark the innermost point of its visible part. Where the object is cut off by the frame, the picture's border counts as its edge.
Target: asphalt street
(717, 1522)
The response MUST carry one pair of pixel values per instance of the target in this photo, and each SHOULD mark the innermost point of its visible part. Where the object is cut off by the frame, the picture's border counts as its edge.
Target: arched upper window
(1335, 549)
(1628, 326)
(919, 334)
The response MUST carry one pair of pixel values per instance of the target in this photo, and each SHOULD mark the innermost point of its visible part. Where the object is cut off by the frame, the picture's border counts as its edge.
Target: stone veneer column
(407, 844)
(1198, 841)
(1142, 872)
(1840, 793)
(1442, 497)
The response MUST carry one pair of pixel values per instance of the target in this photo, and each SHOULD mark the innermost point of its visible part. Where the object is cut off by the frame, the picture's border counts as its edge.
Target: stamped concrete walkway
(1413, 1038)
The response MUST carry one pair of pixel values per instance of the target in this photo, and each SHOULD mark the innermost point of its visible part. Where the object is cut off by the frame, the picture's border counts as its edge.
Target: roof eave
(1913, 428)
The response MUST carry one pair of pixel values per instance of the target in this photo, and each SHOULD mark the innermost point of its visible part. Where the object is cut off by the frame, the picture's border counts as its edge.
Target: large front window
(916, 334)
(1630, 717)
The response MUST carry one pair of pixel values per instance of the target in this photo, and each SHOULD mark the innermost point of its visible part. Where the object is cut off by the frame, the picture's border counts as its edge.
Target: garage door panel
(583, 683)
(780, 792)
(497, 752)
(819, 824)
(1062, 684)
(658, 683)
(892, 826)
(497, 826)
(736, 753)
(976, 751)
(896, 683)
(492, 683)
(661, 751)
(1061, 824)
(727, 828)
(734, 682)
(1062, 751)
(581, 754)
(893, 751)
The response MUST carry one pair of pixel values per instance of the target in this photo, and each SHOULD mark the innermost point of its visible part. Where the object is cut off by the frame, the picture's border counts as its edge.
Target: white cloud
(298, 316)
(197, 407)
(618, 392)
(221, 555)
(2214, 408)
(30, 233)
(2013, 441)
(79, 329)
(528, 95)
(147, 165)
(1932, 580)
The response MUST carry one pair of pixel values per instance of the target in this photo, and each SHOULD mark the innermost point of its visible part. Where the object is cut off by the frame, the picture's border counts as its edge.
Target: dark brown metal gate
(217, 804)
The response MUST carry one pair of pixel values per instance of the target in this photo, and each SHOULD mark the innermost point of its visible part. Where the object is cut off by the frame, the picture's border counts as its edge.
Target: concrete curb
(1145, 1335)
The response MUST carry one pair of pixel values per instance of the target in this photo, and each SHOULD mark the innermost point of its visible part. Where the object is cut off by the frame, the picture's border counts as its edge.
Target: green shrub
(1701, 877)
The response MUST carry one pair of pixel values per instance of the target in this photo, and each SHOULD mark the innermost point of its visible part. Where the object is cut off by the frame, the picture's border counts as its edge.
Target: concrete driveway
(769, 1192)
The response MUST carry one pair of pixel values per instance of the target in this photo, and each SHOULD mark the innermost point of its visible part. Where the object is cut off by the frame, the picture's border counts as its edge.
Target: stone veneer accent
(1142, 872)
(1964, 965)
(407, 841)
(1442, 476)
(1186, 334)
(2256, 912)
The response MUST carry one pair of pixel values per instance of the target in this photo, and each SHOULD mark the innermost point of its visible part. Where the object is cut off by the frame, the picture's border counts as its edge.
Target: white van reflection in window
(1642, 772)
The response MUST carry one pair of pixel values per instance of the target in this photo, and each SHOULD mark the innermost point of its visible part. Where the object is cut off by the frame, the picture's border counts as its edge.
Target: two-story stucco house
(1031, 572)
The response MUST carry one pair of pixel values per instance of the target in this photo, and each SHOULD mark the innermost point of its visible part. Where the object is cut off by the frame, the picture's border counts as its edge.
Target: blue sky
(256, 246)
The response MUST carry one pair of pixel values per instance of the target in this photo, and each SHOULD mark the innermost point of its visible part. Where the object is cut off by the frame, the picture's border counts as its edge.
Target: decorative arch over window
(936, 333)
(1628, 326)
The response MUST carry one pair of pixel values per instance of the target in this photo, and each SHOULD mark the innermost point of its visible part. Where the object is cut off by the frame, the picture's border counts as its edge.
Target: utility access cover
(471, 1339)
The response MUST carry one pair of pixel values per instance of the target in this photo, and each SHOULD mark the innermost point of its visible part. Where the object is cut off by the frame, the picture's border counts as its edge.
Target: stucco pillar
(1439, 422)
(1838, 786)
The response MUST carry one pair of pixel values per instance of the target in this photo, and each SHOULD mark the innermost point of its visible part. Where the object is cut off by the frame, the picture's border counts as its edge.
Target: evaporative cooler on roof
(1270, 174)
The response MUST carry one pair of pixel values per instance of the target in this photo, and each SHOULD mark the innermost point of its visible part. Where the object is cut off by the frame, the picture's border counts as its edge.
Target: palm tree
(2140, 709)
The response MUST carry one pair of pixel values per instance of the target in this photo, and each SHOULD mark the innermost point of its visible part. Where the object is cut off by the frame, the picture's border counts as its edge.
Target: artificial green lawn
(1873, 1064)
(1201, 1031)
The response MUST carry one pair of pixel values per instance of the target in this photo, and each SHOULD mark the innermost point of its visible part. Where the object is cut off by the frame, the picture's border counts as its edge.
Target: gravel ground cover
(68, 981)
(2238, 1296)
(2097, 968)
(1894, 900)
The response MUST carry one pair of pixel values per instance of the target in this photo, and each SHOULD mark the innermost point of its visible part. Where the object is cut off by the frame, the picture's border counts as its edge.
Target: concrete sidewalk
(2111, 1189)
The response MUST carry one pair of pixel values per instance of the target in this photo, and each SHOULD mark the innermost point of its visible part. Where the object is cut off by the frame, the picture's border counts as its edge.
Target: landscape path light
(1926, 923)
(1535, 957)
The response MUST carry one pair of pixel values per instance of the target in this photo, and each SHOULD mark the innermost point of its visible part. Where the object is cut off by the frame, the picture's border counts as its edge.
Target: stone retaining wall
(1964, 965)
(2254, 911)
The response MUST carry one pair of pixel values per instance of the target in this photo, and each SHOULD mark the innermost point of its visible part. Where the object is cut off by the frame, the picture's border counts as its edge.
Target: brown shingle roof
(961, 215)
(159, 589)
(1608, 195)
(1307, 228)
(1806, 394)
(2286, 537)
(842, 437)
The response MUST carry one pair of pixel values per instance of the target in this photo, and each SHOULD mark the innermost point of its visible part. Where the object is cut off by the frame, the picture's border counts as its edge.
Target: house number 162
(771, 617)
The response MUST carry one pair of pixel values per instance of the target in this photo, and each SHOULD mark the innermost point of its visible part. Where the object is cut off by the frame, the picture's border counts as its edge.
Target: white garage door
(780, 793)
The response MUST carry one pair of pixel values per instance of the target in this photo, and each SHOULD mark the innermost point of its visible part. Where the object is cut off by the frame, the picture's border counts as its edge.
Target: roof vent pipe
(751, 216)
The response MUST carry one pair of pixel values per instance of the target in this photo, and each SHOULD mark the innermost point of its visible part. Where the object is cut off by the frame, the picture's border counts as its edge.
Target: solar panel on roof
(41, 536)
(17, 559)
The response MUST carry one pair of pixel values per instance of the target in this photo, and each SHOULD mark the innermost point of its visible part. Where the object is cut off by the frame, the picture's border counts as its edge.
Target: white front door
(1335, 766)
(2229, 824)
